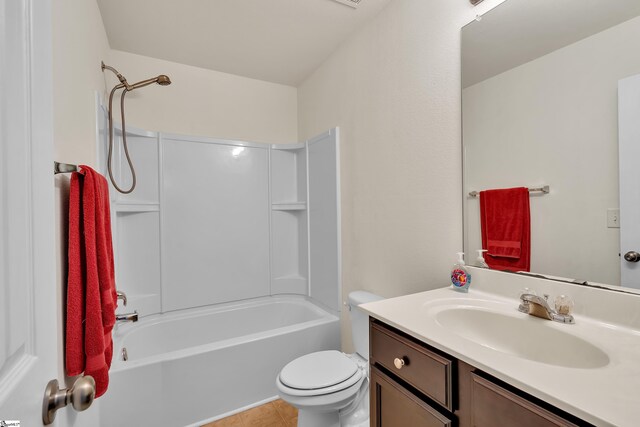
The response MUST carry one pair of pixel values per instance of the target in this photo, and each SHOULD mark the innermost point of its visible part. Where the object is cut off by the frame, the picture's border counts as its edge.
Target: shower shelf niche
(288, 176)
(135, 218)
(289, 219)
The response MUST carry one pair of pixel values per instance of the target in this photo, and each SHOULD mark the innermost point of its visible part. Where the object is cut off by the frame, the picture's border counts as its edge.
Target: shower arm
(120, 77)
(142, 83)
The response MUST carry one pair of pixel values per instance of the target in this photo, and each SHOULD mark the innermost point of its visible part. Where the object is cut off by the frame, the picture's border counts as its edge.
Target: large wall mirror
(551, 97)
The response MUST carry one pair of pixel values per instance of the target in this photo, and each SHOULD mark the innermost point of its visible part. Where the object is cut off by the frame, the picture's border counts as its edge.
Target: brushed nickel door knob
(399, 362)
(80, 396)
(632, 256)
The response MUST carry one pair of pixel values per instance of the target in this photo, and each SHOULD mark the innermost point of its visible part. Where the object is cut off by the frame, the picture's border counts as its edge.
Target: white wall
(554, 121)
(394, 90)
(207, 103)
(79, 44)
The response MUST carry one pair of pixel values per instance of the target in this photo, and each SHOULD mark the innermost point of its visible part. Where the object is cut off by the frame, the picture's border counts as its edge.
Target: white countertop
(604, 396)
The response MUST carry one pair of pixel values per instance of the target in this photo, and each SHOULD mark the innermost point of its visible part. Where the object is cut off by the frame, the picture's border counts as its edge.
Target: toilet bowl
(330, 388)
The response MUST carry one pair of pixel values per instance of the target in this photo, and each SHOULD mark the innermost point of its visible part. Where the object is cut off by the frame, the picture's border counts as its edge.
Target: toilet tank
(360, 321)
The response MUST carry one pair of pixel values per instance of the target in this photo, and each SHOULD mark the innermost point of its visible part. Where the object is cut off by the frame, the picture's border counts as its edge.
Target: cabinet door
(394, 406)
(492, 405)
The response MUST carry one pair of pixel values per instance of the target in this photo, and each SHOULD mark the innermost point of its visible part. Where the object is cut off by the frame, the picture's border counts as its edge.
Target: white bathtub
(190, 367)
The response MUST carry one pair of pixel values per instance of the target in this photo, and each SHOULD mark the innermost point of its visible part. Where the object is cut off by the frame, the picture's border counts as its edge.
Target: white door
(28, 351)
(629, 152)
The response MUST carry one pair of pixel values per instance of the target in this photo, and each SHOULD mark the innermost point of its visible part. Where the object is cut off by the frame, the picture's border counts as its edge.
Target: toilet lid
(318, 370)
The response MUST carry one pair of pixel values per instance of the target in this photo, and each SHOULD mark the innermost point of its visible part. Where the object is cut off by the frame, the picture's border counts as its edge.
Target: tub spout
(128, 317)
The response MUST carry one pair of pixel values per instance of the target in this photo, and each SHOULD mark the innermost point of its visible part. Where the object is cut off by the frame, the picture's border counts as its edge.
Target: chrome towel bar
(544, 190)
(63, 168)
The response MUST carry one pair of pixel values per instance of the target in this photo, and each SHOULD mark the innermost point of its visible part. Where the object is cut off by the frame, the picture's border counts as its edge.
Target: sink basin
(526, 337)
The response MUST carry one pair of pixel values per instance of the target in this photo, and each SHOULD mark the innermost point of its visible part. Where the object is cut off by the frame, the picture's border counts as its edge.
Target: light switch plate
(613, 218)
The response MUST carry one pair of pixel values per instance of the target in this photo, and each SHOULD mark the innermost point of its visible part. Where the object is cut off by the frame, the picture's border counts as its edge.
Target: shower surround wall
(214, 221)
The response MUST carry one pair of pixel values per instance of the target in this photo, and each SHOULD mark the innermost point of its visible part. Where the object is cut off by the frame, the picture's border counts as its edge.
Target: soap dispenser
(480, 261)
(460, 277)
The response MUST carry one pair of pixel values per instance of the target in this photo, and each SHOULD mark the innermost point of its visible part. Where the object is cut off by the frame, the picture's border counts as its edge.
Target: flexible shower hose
(124, 143)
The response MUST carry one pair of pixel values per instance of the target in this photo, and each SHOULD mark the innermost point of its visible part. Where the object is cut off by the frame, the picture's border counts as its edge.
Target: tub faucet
(121, 295)
(127, 317)
(539, 307)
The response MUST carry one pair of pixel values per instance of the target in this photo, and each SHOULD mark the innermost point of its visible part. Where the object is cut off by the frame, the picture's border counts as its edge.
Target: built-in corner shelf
(291, 206)
(289, 147)
(289, 219)
(136, 207)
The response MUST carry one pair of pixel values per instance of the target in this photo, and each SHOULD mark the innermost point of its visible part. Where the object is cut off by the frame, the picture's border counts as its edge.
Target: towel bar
(64, 168)
(544, 190)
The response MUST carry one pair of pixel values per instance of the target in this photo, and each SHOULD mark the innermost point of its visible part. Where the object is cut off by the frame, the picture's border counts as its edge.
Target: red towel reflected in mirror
(506, 228)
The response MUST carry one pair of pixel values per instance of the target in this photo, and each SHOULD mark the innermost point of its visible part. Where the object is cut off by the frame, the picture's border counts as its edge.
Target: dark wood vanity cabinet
(413, 384)
(394, 405)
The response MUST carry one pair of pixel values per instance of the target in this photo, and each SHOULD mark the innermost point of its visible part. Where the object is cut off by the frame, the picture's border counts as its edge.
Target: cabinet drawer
(423, 369)
(394, 406)
(493, 405)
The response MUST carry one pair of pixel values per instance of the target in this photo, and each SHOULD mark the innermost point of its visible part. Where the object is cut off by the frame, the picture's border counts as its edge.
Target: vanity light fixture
(475, 2)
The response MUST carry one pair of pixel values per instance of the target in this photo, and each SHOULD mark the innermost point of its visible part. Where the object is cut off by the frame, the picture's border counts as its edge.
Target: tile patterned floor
(273, 414)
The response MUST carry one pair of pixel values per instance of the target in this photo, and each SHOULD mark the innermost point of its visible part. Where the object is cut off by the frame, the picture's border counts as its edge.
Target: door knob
(80, 396)
(632, 256)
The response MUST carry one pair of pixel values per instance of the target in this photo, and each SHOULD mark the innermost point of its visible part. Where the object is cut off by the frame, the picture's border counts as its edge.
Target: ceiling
(281, 41)
(519, 31)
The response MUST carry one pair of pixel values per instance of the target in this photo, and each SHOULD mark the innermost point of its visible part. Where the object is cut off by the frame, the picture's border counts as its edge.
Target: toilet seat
(332, 401)
(319, 373)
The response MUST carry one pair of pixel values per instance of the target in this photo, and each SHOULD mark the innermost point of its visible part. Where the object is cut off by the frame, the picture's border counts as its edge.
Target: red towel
(91, 292)
(506, 230)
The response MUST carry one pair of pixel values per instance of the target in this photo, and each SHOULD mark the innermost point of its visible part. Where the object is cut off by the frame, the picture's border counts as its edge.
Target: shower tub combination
(190, 367)
(210, 340)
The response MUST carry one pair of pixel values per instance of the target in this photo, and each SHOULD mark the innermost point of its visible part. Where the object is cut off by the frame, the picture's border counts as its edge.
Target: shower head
(164, 80)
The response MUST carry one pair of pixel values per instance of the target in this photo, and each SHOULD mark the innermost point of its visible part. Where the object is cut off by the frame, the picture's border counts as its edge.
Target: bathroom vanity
(414, 384)
(445, 358)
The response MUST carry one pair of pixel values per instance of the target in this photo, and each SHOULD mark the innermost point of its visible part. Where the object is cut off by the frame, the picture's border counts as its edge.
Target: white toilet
(330, 388)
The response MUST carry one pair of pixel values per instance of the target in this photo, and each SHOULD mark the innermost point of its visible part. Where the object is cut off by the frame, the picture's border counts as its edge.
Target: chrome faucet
(539, 307)
(121, 295)
(127, 317)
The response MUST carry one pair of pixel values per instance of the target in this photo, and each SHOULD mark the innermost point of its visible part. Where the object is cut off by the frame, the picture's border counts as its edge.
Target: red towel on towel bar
(506, 230)
(91, 292)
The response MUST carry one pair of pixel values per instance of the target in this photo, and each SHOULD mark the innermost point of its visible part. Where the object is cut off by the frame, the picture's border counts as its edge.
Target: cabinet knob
(399, 362)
